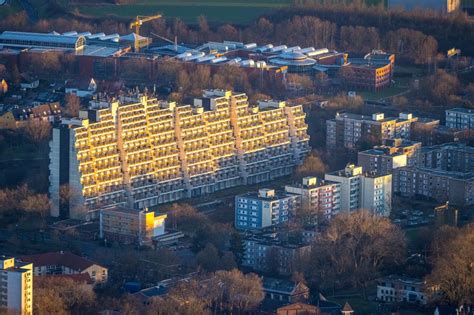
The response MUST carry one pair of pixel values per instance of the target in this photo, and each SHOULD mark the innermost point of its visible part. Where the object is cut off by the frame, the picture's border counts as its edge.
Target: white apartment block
(140, 152)
(361, 190)
(399, 289)
(16, 286)
(320, 197)
(460, 118)
(377, 194)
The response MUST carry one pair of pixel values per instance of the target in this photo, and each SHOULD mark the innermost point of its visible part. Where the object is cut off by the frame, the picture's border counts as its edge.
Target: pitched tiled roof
(66, 259)
(347, 308)
(299, 306)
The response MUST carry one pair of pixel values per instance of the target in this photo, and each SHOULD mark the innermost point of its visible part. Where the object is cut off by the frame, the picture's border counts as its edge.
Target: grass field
(231, 11)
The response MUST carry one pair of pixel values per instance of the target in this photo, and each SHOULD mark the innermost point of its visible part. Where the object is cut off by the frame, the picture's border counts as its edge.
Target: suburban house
(280, 292)
(298, 309)
(401, 289)
(65, 263)
(28, 82)
(17, 117)
(81, 88)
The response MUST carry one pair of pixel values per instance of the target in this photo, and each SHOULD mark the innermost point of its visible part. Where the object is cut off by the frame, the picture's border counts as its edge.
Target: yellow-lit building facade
(131, 226)
(139, 152)
(16, 286)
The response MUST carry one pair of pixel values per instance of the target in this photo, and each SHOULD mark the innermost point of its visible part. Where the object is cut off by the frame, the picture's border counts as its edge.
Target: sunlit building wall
(140, 152)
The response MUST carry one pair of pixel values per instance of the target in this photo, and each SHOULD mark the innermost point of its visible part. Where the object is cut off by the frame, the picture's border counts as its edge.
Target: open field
(233, 11)
(218, 11)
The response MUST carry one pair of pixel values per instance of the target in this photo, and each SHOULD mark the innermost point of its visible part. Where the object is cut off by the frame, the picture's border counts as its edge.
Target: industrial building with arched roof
(41, 40)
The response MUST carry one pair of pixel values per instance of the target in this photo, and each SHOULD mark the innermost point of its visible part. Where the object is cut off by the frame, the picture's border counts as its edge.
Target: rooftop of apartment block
(311, 182)
(376, 117)
(15, 266)
(266, 194)
(449, 146)
(461, 110)
(468, 176)
(271, 238)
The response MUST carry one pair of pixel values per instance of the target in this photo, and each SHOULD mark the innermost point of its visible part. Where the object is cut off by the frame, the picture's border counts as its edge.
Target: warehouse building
(42, 40)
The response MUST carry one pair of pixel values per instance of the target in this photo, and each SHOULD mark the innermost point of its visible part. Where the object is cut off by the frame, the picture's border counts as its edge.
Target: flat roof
(451, 145)
(256, 195)
(461, 110)
(98, 51)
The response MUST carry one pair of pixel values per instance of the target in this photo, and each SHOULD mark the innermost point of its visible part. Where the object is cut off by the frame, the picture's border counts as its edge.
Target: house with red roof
(66, 263)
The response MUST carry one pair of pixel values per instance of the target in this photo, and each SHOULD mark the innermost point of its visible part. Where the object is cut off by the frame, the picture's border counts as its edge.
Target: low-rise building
(320, 198)
(128, 225)
(16, 286)
(65, 263)
(28, 82)
(401, 289)
(263, 209)
(278, 291)
(460, 118)
(263, 252)
(298, 309)
(361, 190)
(81, 88)
(18, 117)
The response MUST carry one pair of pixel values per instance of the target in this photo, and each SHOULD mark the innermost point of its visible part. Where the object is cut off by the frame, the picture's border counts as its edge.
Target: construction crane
(138, 22)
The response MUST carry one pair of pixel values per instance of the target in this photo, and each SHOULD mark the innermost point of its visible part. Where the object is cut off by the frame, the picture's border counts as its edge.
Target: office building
(393, 154)
(401, 289)
(141, 152)
(129, 226)
(361, 190)
(263, 209)
(321, 198)
(460, 118)
(16, 286)
(362, 74)
(347, 130)
(65, 263)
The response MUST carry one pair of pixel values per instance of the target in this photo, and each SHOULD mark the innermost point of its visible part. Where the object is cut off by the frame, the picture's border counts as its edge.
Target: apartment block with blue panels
(263, 209)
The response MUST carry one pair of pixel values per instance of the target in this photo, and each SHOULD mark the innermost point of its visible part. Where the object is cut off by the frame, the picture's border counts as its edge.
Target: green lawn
(233, 11)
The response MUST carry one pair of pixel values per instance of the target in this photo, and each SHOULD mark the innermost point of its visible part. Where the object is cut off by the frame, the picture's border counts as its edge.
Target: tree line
(356, 29)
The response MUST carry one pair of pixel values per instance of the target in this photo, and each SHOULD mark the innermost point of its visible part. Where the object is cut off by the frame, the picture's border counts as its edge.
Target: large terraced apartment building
(140, 151)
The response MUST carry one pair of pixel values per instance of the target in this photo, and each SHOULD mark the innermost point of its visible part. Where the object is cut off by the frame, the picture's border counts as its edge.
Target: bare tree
(73, 105)
(354, 248)
(453, 265)
(241, 292)
(313, 165)
(37, 131)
